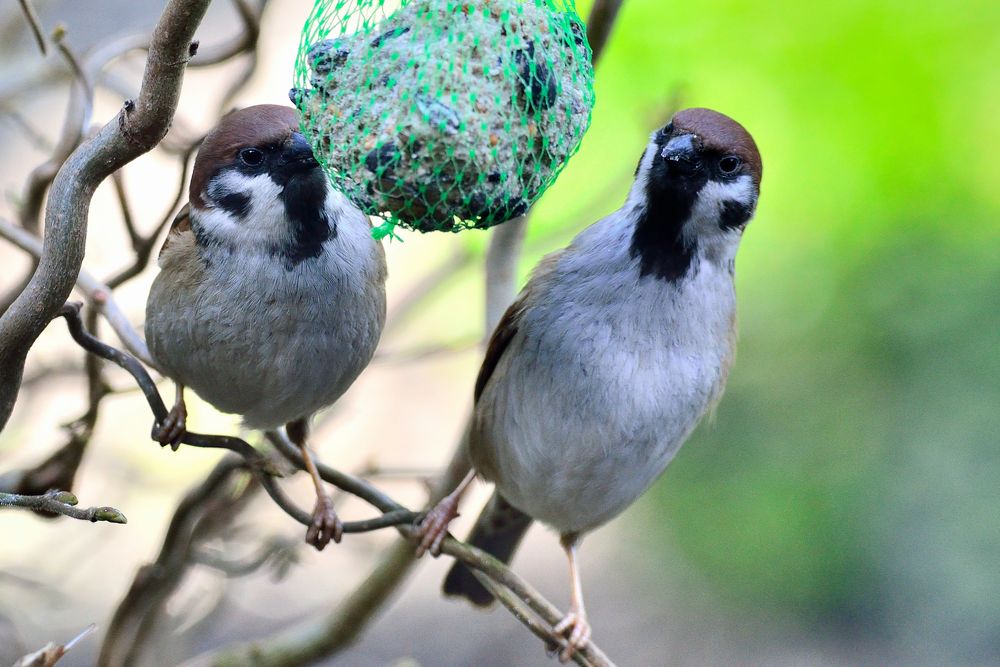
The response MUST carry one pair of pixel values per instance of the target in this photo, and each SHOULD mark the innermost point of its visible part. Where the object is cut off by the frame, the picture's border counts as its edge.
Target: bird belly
(577, 427)
(267, 344)
(576, 474)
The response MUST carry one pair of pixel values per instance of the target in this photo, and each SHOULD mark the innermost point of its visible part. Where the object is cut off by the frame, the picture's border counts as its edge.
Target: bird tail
(498, 531)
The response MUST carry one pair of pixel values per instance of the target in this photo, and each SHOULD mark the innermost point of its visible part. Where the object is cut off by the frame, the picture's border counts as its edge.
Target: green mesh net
(441, 115)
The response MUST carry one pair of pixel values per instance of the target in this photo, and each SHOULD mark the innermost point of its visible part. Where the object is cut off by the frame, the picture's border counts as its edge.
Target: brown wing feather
(181, 224)
(509, 323)
(499, 342)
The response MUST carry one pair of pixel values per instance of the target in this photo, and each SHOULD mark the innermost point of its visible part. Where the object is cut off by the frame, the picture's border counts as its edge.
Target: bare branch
(96, 292)
(118, 180)
(507, 240)
(154, 582)
(80, 106)
(138, 127)
(144, 246)
(36, 27)
(243, 42)
(61, 502)
(280, 550)
(502, 256)
(36, 138)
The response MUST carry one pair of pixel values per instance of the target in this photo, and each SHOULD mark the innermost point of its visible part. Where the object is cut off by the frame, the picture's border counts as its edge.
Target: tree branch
(599, 24)
(36, 27)
(96, 292)
(154, 582)
(507, 240)
(139, 126)
(61, 502)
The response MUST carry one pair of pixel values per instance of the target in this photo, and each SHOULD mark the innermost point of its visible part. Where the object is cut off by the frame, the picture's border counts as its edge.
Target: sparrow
(616, 348)
(270, 299)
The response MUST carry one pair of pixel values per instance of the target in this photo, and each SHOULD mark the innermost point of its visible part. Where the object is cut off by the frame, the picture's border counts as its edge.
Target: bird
(611, 355)
(270, 300)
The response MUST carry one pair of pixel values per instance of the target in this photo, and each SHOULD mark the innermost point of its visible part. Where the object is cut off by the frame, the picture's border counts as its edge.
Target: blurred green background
(849, 485)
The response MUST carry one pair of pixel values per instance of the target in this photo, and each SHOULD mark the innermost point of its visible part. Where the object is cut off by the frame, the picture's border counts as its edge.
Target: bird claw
(172, 429)
(575, 629)
(433, 527)
(325, 525)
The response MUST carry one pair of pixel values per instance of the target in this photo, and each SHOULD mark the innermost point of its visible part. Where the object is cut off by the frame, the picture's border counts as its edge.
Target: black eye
(251, 157)
(729, 164)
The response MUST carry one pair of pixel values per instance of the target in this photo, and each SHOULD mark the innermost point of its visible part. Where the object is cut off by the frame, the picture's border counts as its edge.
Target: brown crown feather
(261, 125)
(721, 133)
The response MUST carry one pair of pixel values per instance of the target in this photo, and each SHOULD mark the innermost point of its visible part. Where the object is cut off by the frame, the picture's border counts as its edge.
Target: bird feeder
(443, 115)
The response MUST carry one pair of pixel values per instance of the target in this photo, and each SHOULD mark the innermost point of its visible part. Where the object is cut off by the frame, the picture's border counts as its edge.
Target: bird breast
(256, 339)
(604, 381)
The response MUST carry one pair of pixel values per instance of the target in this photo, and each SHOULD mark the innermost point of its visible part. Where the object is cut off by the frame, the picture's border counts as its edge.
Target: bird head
(696, 189)
(256, 184)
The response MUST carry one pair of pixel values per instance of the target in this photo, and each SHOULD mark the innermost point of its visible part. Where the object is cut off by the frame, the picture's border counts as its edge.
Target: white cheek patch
(705, 229)
(255, 214)
(715, 195)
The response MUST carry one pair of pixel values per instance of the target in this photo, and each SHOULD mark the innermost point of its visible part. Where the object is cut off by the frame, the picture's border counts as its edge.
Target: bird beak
(680, 150)
(297, 154)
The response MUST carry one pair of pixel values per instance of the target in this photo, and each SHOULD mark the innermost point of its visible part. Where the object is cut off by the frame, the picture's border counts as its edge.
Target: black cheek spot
(734, 214)
(236, 203)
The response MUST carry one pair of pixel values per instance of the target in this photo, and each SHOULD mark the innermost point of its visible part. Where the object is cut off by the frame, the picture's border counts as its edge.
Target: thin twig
(156, 581)
(61, 502)
(243, 42)
(78, 112)
(128, 219)
(342, 480)
(145, 245)
(36, 138)
(36, 27)
(274, 549)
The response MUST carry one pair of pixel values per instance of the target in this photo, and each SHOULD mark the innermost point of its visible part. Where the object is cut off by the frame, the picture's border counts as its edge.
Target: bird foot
(433, 527)
(576, 630)
(172, 429)
(325, 524)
